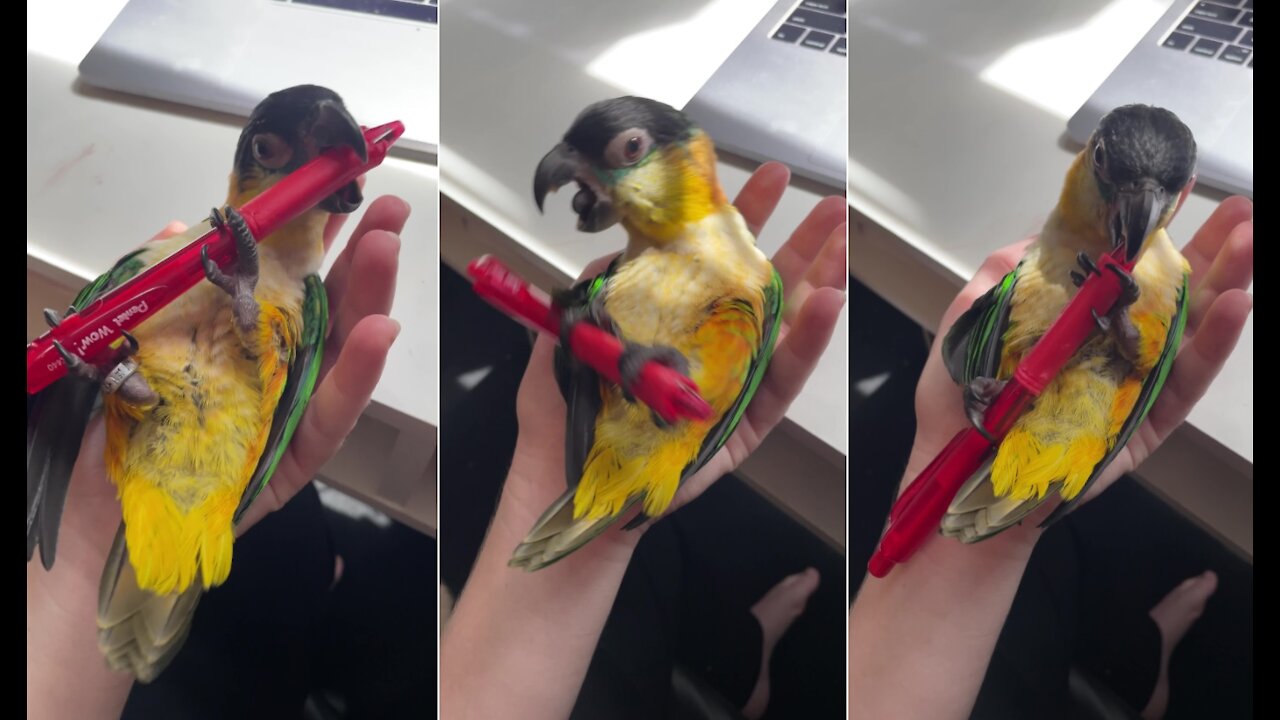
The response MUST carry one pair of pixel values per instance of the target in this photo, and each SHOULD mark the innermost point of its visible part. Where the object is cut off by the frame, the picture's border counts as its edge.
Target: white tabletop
(957, 143)
(515, 76)
(106, 171)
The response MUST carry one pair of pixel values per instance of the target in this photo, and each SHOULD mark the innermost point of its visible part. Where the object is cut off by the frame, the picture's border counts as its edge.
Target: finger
(1208, 239)
(759, 197)
(801, 249)
(387, 213)
(373, 284)
(1201, 359)
(173, 228)
(830, 269)
(337, 403)
(795, 357)
(336, 221)
(1232, 268)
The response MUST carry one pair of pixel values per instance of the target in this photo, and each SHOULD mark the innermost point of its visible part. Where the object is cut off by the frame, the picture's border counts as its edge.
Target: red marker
(918, 512)
(90, 332)
(664, 390)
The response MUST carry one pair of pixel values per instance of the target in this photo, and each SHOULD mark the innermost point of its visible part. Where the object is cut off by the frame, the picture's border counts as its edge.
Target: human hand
(1221, 257)
(814, 271)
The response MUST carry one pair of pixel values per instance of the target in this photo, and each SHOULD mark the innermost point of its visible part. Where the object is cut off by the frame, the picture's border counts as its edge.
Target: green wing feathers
(56, 420)
(972, 347)
(304, 373)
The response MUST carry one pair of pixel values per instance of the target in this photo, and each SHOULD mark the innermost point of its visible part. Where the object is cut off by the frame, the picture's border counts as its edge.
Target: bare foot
(1174, 616)
(775, 612)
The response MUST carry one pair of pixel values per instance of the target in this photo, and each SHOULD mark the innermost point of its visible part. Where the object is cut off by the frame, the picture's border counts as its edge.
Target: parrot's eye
(627, 148)
(1099, 156)
(271, 151)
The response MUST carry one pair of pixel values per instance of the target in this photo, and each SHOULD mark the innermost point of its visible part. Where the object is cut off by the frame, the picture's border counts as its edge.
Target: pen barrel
(671, 395)
(89, 332)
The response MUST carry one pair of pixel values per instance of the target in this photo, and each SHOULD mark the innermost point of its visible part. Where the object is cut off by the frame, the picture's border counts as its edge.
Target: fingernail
(397, 324)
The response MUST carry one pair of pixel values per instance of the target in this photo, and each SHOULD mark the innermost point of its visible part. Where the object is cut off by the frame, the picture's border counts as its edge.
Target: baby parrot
(690, 291)
(1121, 192)
(201, 403)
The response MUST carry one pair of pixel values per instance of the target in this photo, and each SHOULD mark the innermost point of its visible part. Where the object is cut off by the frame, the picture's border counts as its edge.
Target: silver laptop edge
(171, 52)
(777, 101)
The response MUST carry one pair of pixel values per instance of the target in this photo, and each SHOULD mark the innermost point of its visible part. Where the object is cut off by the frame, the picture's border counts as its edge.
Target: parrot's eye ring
(270, 150)
(1099, 155)
(628, 148)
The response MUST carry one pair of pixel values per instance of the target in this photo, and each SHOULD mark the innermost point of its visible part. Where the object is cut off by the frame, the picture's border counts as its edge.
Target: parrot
(1121, 191)
(691, 291)
(201, 401)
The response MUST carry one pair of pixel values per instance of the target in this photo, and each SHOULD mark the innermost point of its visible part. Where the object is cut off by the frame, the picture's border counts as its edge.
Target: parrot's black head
(1142, 157)
(633, 159)
(290, 128)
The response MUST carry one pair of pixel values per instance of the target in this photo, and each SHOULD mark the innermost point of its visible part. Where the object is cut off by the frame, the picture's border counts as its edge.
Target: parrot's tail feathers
(140, 632)
(977, 513)
(557, 534)
(56, 419)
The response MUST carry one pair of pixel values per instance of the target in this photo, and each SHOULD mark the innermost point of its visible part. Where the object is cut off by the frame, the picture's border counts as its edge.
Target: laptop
(227, 55)
(1198, 62)
(783, 94)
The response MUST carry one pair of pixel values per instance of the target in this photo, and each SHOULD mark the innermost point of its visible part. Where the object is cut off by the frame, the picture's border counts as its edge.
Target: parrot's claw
(978, 395)
(1129, 290)
(76, 366)
(1087, 263)
(1102, 321)
(634, 357)
(241, 284)
(1077, 279)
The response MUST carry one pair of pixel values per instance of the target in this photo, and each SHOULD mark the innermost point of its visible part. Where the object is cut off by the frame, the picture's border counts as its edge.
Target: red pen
(664, 390)
(918, 512)
(91, 331)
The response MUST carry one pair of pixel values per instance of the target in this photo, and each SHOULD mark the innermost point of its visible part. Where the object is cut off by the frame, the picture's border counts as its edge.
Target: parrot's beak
(557, 169)
(332, 126)
(1136, 214)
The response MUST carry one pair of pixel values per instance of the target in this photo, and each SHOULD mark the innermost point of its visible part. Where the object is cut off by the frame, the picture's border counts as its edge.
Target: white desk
(515, 76)
(105, 171)
(957, 147)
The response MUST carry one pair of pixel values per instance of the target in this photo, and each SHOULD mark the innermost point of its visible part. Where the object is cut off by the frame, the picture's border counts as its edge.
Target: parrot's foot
(123, 378)
(53, 319)
(1129, 290)
(1087, 264)
(1125, 333)
(978, 395)
(633, 359)
(240, 284)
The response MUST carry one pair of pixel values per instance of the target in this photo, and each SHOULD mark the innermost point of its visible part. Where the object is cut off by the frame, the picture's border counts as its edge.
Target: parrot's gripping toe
(1087, 264)
(635, 356)
(1129, 290)
(240, 284)
(978, 395)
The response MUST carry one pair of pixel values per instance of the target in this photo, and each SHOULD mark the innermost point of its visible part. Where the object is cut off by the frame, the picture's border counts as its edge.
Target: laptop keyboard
(420, 10)
(1222, 29)
(819, 25)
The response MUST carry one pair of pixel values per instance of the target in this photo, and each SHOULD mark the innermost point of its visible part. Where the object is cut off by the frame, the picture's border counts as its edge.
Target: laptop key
(841, 47)
(1207, 48)
(839, 7)
(1209, 29)
(821, 21)
(1234, 54)
(1178, 41)
(1246, 20)
(1214, 11)
(1247, 40)
(817, 40)
(788, 33)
